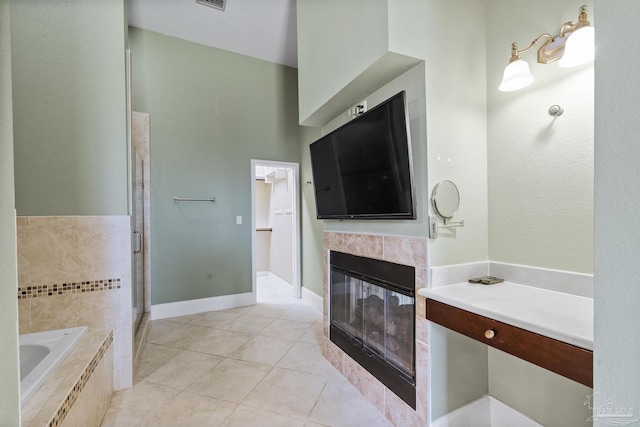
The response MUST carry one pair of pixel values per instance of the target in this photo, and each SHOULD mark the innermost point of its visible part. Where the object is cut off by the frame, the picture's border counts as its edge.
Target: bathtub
(40, 354)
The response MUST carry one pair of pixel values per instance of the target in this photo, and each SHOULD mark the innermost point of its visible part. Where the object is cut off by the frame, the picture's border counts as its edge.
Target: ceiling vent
(216, 4)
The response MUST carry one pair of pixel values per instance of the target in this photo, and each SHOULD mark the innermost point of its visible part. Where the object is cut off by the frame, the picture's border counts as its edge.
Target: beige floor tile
(287, 392)
(129, 407)
(285, 329)
(248, 324)
(314, 334)
(265, 350)
(230, 380)
(190, 409)
(341, 405)
(245, 416)
(302, 313)
(214, 319)
(306, 357)
(185, 319)
(152, 357)
(220, 342)
(239, 310)
(183, 352)
(176, 334)
(268, 309)
(183, 369)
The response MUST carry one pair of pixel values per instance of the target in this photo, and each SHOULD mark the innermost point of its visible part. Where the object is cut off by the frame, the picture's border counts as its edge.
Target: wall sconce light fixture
(574, 46)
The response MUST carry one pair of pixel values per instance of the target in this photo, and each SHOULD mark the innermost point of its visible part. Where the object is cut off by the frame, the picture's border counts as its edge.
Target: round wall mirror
(445, 199)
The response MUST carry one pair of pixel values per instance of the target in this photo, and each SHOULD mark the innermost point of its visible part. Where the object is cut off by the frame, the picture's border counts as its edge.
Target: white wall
(347, 50)
(540, 186)
(354, 35)
(263, 238)
(456, 123)
(281, 221)
(9, 385)
(540, 167)
(617, 229)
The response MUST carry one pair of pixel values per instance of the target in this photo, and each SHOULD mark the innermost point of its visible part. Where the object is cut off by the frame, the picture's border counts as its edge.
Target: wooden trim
(564, 359)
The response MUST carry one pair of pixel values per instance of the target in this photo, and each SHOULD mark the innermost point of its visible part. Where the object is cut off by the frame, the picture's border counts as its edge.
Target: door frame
(295, 217)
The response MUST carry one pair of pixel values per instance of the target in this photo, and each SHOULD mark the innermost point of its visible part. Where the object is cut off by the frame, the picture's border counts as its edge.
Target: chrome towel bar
(192, 199)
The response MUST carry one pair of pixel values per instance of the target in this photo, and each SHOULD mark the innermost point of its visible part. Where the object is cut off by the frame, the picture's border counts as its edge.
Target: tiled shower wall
(410, 251)
(76, 271)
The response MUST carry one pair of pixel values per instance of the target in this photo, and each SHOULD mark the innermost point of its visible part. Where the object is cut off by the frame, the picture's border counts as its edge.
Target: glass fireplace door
(378, 318)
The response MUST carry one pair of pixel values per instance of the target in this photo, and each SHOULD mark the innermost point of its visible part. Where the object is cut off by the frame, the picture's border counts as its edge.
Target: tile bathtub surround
(89, 252)
(410, 251)
(212, 377)
(79, 390)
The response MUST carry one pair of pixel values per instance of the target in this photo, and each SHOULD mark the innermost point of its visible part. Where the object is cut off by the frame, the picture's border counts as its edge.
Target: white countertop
(561, 316)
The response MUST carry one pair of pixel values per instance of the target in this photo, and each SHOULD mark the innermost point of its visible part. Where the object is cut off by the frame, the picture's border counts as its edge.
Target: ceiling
(264, 29)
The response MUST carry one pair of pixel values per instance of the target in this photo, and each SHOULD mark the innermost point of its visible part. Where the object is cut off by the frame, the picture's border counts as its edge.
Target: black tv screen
(363, 169)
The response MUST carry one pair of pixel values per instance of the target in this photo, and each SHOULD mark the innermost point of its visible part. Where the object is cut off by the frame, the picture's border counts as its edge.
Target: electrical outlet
(358, 109)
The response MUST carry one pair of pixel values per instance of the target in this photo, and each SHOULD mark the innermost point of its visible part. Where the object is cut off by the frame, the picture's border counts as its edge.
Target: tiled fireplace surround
(410, 251)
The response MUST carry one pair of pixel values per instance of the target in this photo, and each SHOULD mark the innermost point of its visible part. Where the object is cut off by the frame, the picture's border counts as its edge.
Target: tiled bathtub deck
(252, 366)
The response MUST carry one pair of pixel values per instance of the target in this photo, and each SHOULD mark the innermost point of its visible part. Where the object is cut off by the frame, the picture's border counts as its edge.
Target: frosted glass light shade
(580, 47)
(516, 76)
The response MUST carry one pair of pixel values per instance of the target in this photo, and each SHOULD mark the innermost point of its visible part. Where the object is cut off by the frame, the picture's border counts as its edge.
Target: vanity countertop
(564, 317)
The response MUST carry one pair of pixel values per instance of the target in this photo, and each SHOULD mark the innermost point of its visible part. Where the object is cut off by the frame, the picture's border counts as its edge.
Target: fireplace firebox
(372, 318)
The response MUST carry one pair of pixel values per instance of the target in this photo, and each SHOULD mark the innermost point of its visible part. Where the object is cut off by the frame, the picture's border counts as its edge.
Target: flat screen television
(363, 169)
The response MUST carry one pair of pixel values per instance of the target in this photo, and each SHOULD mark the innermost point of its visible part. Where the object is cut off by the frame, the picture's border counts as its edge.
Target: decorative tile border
(71, 398)
(37, 291)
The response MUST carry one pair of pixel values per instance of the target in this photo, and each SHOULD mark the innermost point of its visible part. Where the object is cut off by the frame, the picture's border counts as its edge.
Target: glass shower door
(137, 283)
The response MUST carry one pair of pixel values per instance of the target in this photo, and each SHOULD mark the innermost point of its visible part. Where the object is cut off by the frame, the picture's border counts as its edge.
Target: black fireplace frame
(395, 277)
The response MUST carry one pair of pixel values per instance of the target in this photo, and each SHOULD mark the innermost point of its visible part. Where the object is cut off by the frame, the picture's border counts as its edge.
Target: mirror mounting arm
(448, 224)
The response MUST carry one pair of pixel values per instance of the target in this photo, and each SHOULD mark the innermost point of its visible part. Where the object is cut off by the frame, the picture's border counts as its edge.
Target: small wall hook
(556, 110)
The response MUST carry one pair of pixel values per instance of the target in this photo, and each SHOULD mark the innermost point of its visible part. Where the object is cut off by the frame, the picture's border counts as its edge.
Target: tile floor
(251, 366)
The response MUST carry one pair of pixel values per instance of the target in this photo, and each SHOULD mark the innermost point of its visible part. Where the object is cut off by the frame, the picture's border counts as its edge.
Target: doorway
(275, 222)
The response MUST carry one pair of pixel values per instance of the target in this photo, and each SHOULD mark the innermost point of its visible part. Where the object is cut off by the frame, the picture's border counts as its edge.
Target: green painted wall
(9, 385)
(312, 258)
(69, 107)
(211, 112)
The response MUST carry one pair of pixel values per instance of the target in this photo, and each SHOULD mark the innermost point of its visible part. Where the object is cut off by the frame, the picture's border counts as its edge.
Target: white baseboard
(313, 299)
(484, 412)
(194, 306)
